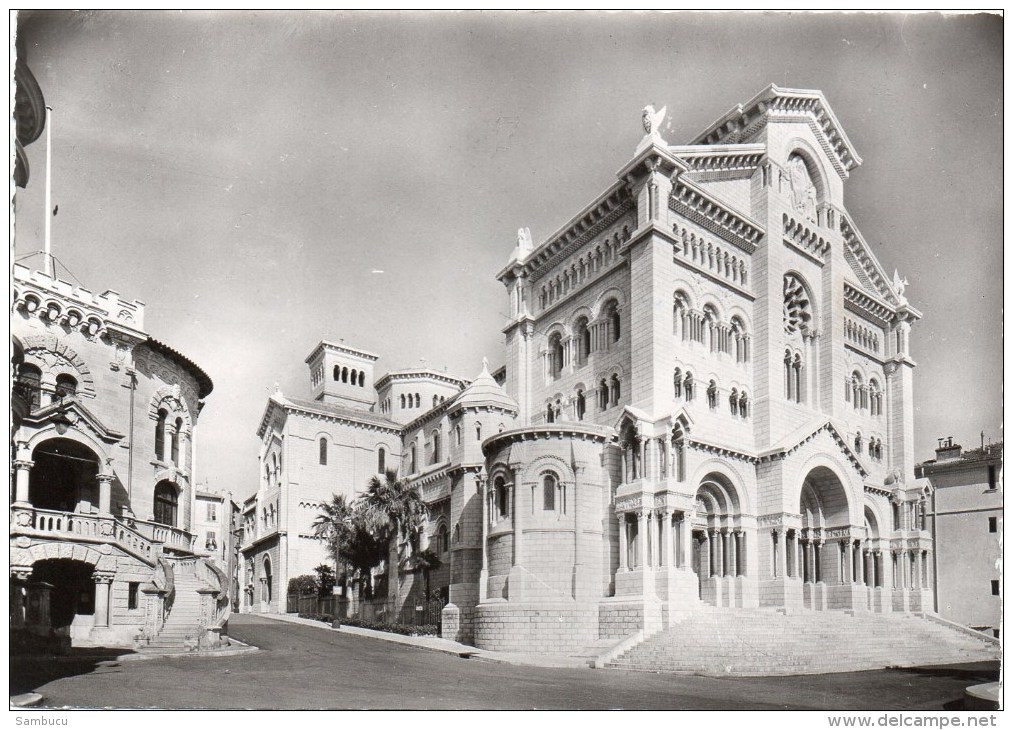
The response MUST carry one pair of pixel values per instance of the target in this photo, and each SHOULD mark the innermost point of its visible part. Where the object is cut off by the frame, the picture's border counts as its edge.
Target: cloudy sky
(244, 174)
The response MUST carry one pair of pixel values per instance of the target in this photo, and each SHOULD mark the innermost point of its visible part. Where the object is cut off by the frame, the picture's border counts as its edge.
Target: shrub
(325, 617)
(304, 585)
(404, 629)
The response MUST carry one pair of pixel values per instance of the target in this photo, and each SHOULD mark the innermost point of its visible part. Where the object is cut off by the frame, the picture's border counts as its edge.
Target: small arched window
(166, 503)
(411, 459)
(442, 538)
(30, 378)
(615, 322)
(418, 401)
(355, 377)
(402, 401)
(712, 394)
(362, 379)
(687, 385)
(336, 373)
(743, 405)
(733, 401)
(323, 452)
(583, 341)
(436, 447)
(603, 395)
(615, 390)
(176, 434)
(501, 494)
(344, 375)
(581, 405)
(550, 413)
(677, 383)
(381, 460)
(66, 386)
(556, 355)
(858, 443)
(549, 493)
(478, 431)
(457, 434)
(160, 434)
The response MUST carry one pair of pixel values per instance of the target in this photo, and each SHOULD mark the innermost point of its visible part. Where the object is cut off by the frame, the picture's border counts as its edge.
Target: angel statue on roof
(899, 284)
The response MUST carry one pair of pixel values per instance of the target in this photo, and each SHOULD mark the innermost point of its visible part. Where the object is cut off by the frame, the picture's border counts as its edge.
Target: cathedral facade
(706, 399)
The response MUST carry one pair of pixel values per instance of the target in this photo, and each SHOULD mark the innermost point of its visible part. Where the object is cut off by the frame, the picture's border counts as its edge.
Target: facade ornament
(524, 242)
(23, 519)
(23, 542)
(652, 119)
(803, 192)
(899, 285)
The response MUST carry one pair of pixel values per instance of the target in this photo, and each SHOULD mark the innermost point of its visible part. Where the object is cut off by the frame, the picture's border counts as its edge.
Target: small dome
(485, 392)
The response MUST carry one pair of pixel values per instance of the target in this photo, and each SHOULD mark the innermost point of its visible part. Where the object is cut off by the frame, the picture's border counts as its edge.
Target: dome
(485, 392)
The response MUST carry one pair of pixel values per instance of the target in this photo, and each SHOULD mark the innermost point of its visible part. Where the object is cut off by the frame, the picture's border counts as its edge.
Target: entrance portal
(63, 477)
(826, 547)
(73, 592)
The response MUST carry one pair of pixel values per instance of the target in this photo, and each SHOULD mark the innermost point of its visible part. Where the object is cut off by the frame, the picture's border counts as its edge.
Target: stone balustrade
(173, 537)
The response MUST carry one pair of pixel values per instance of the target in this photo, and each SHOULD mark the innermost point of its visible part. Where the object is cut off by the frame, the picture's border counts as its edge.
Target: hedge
(404, 629)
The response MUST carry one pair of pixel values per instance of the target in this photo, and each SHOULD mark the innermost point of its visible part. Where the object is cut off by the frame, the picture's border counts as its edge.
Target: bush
(404, 629)
(304, 585)
(325, 617)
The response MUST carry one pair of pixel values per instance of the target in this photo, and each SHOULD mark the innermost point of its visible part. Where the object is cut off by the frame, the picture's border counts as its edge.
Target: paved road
(304, 667)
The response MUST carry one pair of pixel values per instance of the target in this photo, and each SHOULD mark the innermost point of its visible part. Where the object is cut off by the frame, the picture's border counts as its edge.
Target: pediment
(78, 416)
(795, 440)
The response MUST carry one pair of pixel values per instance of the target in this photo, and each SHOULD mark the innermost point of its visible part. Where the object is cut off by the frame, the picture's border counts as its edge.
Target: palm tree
(397, 506)
(334, 524)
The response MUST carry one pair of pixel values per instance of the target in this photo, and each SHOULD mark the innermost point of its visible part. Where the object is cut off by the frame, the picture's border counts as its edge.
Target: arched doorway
(719, 542)
(265, 586)
(71, 597)
(825, 547)
(63, 476)
(165, 506)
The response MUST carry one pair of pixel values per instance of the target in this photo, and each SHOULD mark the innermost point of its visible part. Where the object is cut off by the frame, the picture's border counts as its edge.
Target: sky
(248, 174)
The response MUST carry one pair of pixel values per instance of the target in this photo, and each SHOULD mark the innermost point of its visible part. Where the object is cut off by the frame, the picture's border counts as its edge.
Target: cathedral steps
(762, 642)
(182, 625)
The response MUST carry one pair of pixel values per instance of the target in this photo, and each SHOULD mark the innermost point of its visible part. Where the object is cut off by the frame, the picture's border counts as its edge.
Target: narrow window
(381, 460)
(615, 390)
(581, 405)
(160, 435)
(132, 591)
(549, 493)
(344, 375)
(30, 379)
(418, 401)
(603, 396)
(402, 401)
(993, 524)
(212, 512)
(323, 452)
(687, 385)
(549, 414)
(995, 588)
(411, 459)
(175, 441)
(478, 431)
(991, 477)
(712, 394)
(336, 375)
(615, 322)
(436, 447)
(66, 386)
(677, 383)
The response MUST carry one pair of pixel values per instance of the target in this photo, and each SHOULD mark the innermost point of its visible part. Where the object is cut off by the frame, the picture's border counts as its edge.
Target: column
(741, 552)
(666, 455)
(641, 547)
(733, 562)
(22, 466)
(483, 488)
(514, 488)
(623, 542)
(667, 552)
(712, 551)
(782, 557)
(102, 583)
(105, 493)
(917, 583)
(19, 581)
(686, 542)
(650, 549)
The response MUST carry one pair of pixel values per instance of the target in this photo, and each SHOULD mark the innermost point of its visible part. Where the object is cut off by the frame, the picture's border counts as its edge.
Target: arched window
(355, 376)
(337, 373)
(442, 538)
(160, 434)
(362, 379)
(402, 401)
(615, 390)
(501, 495)
(583, 341)
(177, 432)
(710, 321)
(411, 459)
(796, 367)
(550, 414)
(581, 405)
(741, 340)
(687, 385)
(478, 431)
(436, 447)
(856, 389)
(743, 405)
(858, 442)
(30, 378)
(166, 503)
(66, 386)
(733, 401)
(418, 401)
(603, 395)
(875, 398)
(614, 322)
(677, 383)
(712, 394)
(381, 460)
(556, 355)
(549, 493)
(680, 312)
(457, 434)
(344, 375)
(436, 400)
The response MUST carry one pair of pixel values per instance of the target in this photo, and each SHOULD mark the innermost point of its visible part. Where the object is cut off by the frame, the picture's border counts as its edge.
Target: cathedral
(706, 402)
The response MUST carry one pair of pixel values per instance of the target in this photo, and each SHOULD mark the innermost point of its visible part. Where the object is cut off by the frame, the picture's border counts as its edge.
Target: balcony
(143, 540)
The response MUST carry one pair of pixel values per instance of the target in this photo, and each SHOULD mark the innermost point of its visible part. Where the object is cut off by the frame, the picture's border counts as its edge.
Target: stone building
(706, 404)
(965, 518)
(102, 548)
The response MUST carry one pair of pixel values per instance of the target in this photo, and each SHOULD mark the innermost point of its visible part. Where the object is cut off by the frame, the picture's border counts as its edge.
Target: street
(305, 667)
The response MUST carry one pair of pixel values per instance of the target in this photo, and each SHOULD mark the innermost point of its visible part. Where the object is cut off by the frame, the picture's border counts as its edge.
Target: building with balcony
(102, 544)
(706, 408)
(965, 518)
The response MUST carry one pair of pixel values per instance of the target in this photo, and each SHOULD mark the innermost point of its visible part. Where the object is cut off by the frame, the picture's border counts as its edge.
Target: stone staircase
(181, 627)
(752, 642)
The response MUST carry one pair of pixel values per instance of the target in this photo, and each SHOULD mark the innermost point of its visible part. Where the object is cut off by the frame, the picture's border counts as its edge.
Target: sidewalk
(446, 646)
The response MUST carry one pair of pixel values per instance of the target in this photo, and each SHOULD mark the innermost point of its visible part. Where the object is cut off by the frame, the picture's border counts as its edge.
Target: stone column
(483, 579)
(667, 548)
(782, 552)
(22, 467)
(516, 507)
(623, 548)
(105, 493)
(516, 579)
(741, 552)
(19, 581)
(917, 583)
(712, 551)
(102, 584)
(849, 563)
(687, 542)
(641, 538)
(650, 542)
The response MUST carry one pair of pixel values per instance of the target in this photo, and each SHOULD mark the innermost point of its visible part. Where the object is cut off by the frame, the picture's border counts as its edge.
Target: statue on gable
(524, 242)
(899, 285)
(652, 119)
(803, 192)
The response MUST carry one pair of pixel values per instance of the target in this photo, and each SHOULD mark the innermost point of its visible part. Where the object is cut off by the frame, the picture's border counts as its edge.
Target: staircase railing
(83, 527)
(171, 537)
(215, 577)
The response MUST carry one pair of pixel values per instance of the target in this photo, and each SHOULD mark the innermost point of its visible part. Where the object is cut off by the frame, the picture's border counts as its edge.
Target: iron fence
(409, 612)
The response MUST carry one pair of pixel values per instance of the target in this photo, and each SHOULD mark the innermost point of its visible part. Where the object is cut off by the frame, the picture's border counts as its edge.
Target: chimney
(947, 450)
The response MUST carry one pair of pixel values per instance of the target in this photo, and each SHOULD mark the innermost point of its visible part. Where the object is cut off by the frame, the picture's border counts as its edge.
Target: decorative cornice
(699, 206)
(344, 349)
(581, 431)
(723, 451)
(808, 242)
(420, 374)
(862, 303)
(538, 265)
(862, 255)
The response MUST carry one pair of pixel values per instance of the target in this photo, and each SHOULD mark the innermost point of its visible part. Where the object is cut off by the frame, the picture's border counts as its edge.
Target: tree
(325, 579)
(396, 507)
(427, 561)
(334, 524)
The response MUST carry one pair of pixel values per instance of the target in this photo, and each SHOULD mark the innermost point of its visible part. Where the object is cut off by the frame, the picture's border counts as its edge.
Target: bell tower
(342, 375)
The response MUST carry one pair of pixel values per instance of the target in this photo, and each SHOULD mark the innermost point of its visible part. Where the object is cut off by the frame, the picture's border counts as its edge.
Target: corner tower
(342, 375)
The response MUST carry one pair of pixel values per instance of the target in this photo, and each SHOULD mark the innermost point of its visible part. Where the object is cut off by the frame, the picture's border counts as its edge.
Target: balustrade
(708, 256)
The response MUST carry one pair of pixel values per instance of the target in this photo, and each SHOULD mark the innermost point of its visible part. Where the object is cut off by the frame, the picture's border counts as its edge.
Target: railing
(215, 577)
(100, 528)
(173, 537)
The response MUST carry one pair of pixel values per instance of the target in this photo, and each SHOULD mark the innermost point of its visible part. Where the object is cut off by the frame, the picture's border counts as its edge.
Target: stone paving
(304, 667)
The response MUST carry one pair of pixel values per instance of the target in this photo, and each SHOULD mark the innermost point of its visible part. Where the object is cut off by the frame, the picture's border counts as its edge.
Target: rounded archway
(718, 539)
(63, 477)
(73, 589)
(826, 547)
(265, 585)
(823, 502)
(165, 506)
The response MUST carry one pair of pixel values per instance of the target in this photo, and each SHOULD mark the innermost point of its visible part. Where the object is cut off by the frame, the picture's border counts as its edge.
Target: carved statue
(524, 239)
(803, 192)
(652, 119)
(899, 284)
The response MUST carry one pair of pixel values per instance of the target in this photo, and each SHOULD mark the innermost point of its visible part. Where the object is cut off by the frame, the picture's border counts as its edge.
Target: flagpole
(47, 259)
